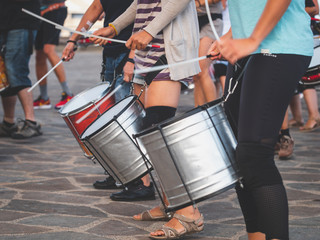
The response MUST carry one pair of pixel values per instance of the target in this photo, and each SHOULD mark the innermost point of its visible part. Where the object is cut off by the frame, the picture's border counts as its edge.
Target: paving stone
(58, 198)
(9, 228)
(116, 228)
(40, 207)
(50, 220)
(122, 208)
(7, 194)
(51, 185)
(56, 236)
(12, 215)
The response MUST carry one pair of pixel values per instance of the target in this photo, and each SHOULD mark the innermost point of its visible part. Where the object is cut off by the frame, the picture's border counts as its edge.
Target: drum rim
(77, 110)
(134, 98)
(222, 190)
(178, 118)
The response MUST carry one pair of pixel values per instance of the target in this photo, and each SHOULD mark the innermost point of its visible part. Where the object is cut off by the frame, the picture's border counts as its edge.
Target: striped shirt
(147, 10)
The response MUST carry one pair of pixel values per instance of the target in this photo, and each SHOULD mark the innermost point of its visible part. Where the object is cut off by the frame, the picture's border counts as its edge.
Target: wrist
(72, 41)
(130, 60)
(114, 28)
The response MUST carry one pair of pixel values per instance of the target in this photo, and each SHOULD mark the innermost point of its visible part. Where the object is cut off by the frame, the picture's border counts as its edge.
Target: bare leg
(256, 236)
(310, 95)
(50, 52)
(296, 109)
(204, 88)
(26, 100)
(9, 104)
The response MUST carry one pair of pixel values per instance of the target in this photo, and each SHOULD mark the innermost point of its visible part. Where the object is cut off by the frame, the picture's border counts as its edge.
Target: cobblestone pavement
(46, 183)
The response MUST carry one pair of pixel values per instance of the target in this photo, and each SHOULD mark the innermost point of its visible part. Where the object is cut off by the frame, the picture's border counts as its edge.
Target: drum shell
(202, 148)
(74, 114)
(114, 147)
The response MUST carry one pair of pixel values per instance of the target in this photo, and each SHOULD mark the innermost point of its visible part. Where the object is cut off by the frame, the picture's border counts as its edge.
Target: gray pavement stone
(46, 190)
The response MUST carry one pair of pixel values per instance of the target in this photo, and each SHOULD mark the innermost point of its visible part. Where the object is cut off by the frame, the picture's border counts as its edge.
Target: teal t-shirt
(292, 34)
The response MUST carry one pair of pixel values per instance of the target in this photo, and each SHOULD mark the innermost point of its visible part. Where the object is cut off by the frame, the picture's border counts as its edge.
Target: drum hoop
(89, 104)
(179, 118)
(112, 120)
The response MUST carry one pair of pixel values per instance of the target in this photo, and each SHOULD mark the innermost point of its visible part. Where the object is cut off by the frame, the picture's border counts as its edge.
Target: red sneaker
(64, 99)
(39, 103)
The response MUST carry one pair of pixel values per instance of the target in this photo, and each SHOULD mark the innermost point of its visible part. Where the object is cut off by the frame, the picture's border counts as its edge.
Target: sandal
(190, 226)
(295, 123)
(310, 129)
(147, 216)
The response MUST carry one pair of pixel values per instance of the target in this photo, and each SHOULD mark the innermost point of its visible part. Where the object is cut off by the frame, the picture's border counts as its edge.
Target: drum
(80, 105)
(110, 139)
(193, 155)
(312, 76)
(3, 76)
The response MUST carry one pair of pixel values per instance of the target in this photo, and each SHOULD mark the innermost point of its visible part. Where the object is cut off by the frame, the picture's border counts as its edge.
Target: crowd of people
(259, 52)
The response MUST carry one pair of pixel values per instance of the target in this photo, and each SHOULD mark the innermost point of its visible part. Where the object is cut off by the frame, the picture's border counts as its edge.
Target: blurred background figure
(17, 31)
(204, 88)
(46, 41)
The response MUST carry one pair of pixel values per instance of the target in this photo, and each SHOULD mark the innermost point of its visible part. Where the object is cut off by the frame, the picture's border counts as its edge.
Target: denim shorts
(17, 56)
(111, 64)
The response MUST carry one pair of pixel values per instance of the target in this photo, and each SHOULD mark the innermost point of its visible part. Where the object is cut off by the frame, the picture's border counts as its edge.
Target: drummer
(157, 22)
(115, 58)
(274, 56)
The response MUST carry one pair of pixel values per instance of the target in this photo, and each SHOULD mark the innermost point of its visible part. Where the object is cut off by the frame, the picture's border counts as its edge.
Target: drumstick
(78, 32)
(50, 71)
(99, 104)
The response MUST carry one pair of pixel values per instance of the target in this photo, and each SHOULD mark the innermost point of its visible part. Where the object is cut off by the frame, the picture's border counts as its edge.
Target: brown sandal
(190, 226)
(147, 216)
(310, 129)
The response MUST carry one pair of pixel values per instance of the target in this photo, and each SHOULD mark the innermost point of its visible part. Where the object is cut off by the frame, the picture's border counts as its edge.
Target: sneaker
(39, 103)
(108, 183)
(135, 192)
(64, 99)
(27, 130)
(286, 147)
(6, 131)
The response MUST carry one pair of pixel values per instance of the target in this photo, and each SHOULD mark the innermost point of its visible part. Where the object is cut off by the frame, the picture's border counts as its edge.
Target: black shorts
(48, 33)
(220, 69)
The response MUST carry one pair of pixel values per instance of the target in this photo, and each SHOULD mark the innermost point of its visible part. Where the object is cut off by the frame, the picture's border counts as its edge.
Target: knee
(257, 166)
(49, 49)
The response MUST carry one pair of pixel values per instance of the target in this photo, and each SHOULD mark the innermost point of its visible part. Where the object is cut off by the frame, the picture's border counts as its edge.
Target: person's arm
(128, 68)
(169, 12)
(234, 49)
(89, 18)
(312, 8)
(115, 27)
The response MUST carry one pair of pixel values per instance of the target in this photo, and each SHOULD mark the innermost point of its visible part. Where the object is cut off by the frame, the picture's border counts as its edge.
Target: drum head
(85, 98)
(108, 116)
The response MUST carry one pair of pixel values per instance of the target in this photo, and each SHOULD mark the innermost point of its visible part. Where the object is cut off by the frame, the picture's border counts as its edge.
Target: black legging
(256, 111)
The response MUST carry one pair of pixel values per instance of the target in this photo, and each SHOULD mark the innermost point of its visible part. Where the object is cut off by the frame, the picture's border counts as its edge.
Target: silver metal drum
(193, 155)
(110, 140)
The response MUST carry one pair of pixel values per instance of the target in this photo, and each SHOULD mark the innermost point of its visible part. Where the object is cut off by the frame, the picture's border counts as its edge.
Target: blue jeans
(17, 56)
(110, 76)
